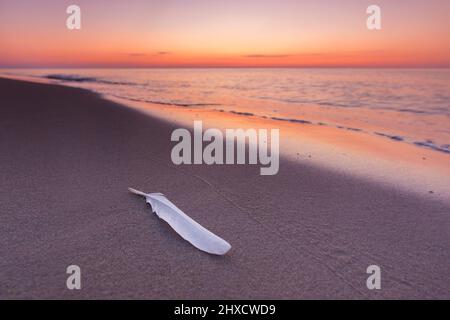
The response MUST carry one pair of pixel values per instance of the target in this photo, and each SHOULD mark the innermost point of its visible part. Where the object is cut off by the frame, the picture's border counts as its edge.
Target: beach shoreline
(309, 232)
(385, 161)
(350, 147)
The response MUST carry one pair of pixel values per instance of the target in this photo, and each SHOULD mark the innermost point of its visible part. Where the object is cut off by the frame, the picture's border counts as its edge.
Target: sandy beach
(68, 156)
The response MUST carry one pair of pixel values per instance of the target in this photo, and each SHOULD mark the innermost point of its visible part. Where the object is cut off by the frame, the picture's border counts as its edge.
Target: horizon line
(446, 66)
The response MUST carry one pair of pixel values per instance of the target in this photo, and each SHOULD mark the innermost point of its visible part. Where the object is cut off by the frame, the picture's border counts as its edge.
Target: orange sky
(243, 33)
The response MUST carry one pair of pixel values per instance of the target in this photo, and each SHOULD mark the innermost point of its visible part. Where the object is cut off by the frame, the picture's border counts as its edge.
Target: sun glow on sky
(139, 33)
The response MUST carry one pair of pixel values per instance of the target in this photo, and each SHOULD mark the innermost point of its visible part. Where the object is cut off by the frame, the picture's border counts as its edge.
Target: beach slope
(67, 158)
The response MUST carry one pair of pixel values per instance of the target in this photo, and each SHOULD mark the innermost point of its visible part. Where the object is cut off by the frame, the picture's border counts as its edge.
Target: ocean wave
(350, 104)
(431, 145)
(182, 104)
(241, 113)
(78, 78)
(292, 120)
(170, 103)
(390, 136)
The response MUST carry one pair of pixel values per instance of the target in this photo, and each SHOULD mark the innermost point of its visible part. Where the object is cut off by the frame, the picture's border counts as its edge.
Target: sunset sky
(145, 33)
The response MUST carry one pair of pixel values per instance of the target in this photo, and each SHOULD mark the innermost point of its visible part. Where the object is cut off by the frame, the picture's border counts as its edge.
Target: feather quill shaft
(186, 227)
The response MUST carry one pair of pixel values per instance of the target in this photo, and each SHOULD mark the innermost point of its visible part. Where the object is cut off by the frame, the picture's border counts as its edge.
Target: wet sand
(68, 156)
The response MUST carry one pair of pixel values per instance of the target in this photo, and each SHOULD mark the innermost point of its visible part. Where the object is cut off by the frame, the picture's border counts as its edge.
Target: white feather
(186, 227)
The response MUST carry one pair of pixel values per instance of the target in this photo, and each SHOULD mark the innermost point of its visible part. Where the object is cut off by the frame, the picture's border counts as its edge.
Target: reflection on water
(400, 104)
